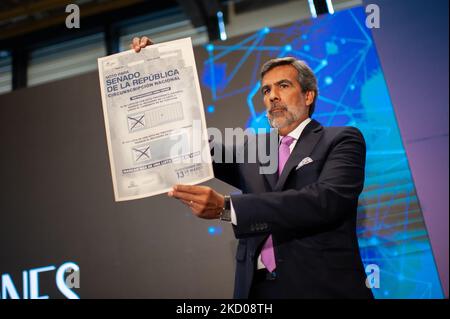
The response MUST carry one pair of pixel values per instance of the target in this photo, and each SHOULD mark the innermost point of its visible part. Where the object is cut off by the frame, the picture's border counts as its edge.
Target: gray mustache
(273, 108)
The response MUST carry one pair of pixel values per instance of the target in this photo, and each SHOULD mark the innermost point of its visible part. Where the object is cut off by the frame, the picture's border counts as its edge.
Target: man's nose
(274, 95)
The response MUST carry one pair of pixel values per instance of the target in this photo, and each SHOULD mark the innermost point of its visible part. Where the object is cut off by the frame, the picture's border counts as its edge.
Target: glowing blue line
(243, 59)
(228, 49)
(356, 56)
(282, 53)
(255, 70)
(355, 40)
(235, 92)
(321, 65)
(300, 53)
(391, 225)
(253, 47)
(250, 99)
(383, 153)
(362, 59)
(395, 202)
(368, 194)
(213, 76)
(399, 162)
(361, 28)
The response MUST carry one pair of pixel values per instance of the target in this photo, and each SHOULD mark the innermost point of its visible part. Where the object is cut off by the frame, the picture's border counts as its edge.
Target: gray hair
(306, 77)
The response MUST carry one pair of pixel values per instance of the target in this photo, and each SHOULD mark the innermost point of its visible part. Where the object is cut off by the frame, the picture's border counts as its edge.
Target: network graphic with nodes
(339, 48)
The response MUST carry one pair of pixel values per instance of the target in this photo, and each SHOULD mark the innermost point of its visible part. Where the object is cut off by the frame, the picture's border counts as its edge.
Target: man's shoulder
(335, 135)
(334, 132)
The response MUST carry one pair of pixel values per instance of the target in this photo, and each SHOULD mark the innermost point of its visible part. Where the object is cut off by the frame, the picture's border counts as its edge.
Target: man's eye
(266, 91)
(283, 85)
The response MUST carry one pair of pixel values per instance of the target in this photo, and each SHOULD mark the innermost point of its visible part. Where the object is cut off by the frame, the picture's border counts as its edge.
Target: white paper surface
(154, 119)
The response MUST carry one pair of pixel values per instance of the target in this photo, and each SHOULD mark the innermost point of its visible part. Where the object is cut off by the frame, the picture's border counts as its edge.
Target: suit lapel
(271, 178)
(304, 147)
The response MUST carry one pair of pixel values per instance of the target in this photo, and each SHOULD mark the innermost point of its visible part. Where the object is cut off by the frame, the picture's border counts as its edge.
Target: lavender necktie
(267, 254)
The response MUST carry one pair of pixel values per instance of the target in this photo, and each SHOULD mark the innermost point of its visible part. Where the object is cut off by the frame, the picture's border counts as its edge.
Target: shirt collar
(295, 133)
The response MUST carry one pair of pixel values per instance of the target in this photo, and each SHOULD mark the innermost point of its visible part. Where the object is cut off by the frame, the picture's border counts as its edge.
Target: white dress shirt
(296, 135)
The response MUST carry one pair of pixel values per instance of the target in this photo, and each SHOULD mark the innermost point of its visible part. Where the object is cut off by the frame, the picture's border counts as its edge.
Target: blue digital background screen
(352, 92)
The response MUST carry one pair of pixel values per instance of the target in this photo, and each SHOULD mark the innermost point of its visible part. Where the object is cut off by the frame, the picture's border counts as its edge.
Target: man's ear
(309, 97)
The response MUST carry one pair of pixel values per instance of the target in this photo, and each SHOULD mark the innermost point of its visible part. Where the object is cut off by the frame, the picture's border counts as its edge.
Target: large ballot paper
(154, 118)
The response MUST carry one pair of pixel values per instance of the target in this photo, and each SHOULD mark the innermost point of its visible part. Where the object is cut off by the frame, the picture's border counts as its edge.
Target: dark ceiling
(25, 22)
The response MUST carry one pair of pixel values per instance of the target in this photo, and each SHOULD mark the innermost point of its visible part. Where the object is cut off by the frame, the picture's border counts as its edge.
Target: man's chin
(279, 124)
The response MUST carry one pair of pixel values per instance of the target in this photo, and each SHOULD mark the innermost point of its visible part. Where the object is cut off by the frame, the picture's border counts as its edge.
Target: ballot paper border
(188, 57)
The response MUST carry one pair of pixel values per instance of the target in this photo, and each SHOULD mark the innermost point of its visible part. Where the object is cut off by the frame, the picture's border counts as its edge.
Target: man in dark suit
(297, 226)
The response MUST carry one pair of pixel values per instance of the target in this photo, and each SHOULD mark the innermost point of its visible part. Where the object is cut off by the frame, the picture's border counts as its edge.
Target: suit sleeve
(333, 198)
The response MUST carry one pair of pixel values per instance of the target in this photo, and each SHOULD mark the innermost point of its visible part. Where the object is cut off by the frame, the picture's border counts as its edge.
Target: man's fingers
(145, 41)
(135, 44)
(138, 43)
(187, 202)
(208, 213)
(197, 198)
(135, 41)
(186, 196)
(191, 204)
(193, 189)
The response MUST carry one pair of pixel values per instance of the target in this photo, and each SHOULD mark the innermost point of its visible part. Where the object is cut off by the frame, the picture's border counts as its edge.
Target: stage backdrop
(57, 207)
(352, 91)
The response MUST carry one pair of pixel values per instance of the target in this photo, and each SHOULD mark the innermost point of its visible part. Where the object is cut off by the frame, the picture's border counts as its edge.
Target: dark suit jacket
(310, 212)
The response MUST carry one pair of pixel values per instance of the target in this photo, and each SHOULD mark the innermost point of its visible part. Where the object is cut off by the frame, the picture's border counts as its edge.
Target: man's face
(286, 104)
